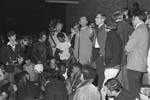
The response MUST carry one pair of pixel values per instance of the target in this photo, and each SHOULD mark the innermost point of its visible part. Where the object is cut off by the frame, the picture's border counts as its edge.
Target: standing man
(137, 51)
(39, 49)
(99, 48)
(85, 44)
(11, 54)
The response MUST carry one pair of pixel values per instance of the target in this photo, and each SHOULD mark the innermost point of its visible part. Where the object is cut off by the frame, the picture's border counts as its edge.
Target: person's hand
(104, 92)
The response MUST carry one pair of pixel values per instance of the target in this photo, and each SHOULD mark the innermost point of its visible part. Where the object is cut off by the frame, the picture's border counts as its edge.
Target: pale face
(59, 27)
(99, 19)
(83, 21)
(44, 38)
(12, 38)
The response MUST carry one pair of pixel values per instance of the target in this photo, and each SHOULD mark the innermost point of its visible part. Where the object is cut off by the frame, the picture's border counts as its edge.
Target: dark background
(31, 16)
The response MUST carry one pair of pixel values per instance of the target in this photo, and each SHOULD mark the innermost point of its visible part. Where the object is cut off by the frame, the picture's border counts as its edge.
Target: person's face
(43, 38)
(134, 21)
(25, 42)
(59, 27)
(12, 38)
(111, 93)
(28, 61)
(61, 39)
(75, 70)
(83, 21)
(99, 19)
(53, 64)
(82, 78)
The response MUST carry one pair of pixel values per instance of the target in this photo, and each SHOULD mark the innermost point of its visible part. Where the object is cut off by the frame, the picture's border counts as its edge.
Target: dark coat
(39, 52)
(55, 90)
(8, 54)
(113, 50)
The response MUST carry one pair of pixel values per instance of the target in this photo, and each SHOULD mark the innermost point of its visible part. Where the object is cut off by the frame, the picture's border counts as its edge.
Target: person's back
(55, 90)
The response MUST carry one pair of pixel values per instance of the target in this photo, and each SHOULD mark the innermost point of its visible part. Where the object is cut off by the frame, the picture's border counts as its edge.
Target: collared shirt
(96, 44)
(12, 45)
(137, 25)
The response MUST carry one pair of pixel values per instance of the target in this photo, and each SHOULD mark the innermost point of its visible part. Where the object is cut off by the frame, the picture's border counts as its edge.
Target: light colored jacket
(137, 49)
(87, 92)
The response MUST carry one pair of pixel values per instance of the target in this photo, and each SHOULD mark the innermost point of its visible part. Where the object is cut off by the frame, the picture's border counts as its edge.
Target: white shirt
(96, 44)
(64, 47)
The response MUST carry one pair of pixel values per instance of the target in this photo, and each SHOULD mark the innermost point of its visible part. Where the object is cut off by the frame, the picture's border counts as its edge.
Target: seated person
(86, 90)
(25, 88)
(55, 88)
(29, 67)
(113, 89)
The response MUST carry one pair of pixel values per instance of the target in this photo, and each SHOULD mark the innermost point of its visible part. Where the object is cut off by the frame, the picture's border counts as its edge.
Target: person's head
(21, 77)
(100, 18)
(136, 6)
(137, 17)
(61, 68)
(42, 36)
(61, 37)
(83, 21)
(75, 28)
(53, 63)
(118, 16)
(59, 27)
(110, 24)
(113, 87)
(27, 60)
(11, 36)
(88, 73)
(76, 68)
(25, 41)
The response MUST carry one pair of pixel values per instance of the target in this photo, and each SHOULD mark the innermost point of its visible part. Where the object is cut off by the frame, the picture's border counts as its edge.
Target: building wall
(90, 8)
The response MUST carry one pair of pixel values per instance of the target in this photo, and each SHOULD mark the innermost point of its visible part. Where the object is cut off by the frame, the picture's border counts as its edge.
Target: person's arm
(133, 40)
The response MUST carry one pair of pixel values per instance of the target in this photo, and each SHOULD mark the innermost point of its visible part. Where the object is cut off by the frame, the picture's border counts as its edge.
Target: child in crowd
(63, 48)
(29, 67)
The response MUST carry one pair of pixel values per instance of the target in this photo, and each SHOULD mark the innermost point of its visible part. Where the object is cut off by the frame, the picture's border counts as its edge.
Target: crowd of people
(105, 60)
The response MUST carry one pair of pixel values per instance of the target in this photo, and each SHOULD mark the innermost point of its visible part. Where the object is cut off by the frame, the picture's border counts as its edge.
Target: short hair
(60, 35)
(140, 14)
(110, 22)
(11, 33)
(102, 14)
(88, 72)
(43, 32)
(113, 85)
(117, 15)
(77, 65)
(19, 76)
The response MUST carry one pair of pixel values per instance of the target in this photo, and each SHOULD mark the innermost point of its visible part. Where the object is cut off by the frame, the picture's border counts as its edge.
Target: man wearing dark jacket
(39, 49)
(55, 89)
(113, 50)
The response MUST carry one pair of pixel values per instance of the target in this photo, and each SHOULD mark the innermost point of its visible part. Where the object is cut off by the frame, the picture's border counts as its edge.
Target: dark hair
(77, 65)
(140, 14)
(60, 35)
(136, 6)
(88, 72)
(113, 85)
(19, 76)
(43, 32)
(11, 33)
(110, 22)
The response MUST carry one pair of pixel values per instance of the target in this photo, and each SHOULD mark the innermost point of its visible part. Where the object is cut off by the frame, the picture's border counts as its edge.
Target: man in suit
(137, 51)
(99, 47)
